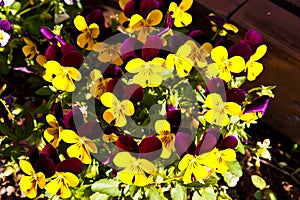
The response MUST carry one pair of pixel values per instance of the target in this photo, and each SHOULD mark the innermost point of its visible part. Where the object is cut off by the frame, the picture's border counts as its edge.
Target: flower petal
(108, 99)
(69, 136)
(80, 23)
(127, 143)
(72, 165)
(123, 159)
(26, 167)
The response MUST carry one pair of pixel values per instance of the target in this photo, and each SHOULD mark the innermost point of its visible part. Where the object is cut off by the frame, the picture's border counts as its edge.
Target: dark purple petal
(250, 44)
(229, 142)
(147, 6)
(90, 129)
(240, 49)
(53, 52)
(128, 48)
(111, 129)
(254, 36)
(130, 8)
(72, 59)
(47, 33)
(206, 144)
(236, 95)
(112, 71)
(57, 110)
(127, 143)
(50, 152)
(259, 104)
(73, 119)
(225, 43)
(199, 36)
(150, 148)
(33, 155)
(134, 93)
(5, 25)
(174, 117)
(116, 87)
(151, 47)
(184, 143)
(96, 16)
(45, 165)
(216, 85)
(217, 19)
(66, 48)
(72, 165)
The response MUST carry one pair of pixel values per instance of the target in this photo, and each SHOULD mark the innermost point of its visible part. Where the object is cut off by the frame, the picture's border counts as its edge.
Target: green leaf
(258, 182)
(153, 193)
(258, 195)
(15, 7)
(5, 130)
(98, 195)
(44, 91)
(270, 195)
(107, 186)
(230, 179)
(235, 168)
(178, 193)
(208, 193)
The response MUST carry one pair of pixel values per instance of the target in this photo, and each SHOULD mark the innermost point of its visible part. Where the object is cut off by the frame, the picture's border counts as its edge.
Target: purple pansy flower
(4, 36)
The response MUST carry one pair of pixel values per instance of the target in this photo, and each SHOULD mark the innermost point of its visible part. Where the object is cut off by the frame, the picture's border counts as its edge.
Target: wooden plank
(223, 7)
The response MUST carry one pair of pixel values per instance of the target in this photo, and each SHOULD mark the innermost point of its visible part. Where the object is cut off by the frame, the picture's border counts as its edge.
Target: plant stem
(32, 8)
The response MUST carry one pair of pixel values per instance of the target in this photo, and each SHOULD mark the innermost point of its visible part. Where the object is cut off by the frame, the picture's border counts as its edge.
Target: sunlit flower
(163, 128)
(98, 86)
(262, 150)
(89, 33)
(181, 60)
(253, 67)
(220, 25)
(224, 65)
(148, 74)
(117, 109)
(82, 147)
(60, 183)
(52, 135)
(30, 49)
(256, 109)
(29, 184)
(219, 110)
(193, 167)
(181, 18)
(4, 36)
(144, 26)
(61, 77)
(109, 53)
(199, 54)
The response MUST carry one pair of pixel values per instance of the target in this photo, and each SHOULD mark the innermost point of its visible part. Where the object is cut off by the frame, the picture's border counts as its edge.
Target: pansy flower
(219, 110)
(262, 150)
(253, 67)
(89, 33)
(135, 160)
(223, 66)
(61, 77)
(109, 53)
(118, 110)
(180, 60)
(199, 54)
(53, 134)
(30, 49)
(163, 128)
(4, 36)
(181, 18)
(220, 25)
(81, 146)
(98, 85)
(29, 183)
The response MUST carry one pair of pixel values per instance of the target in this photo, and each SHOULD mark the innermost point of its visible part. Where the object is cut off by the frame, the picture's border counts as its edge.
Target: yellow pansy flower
(82, 147)
(109, 53)
(199, 54)
(163, 128)
(148, 74)
(134, 169)
(219, 110)
(181, 60)
(89, 33)
(29, 184)
(255, 68)
(216, 159)
(60, 183)
(117, 109)
(225, 27)
(98, 86)
(52, 135)
(181, 18)
(223, 65)
(263, 151)
(61, 77)
(29, 49)
(144, 26)
(193, 167)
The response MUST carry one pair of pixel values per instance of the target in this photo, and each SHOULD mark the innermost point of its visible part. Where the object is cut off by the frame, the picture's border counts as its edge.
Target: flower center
(1, 36)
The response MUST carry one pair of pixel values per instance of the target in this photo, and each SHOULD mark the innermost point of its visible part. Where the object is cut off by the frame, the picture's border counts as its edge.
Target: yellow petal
(69, 136)
(213, 100)
(135, 65)
(122, 18)
(187, 177)
(216, 117)
(228, 154)
(182, 19)
(127, 107)
(254, 69)
(212, 69)
(199, 172)
(53, 186)
(108, 116)
(133, 178)
(41, 179)
(184, 50)
(41, 60)
(237, 64)
(185, 161)
(183, 66)
(53, 67)
(122, 3)
(166, 153)
(65, 191)
(71, 178)
(29, 51)
(219, 54)
(157, 65)
(260, 52)
(147, 166)
(120, 119)
(136, 21)
(62, 82)
(95, 31)
(233, 108)
(231, 27)
(26, 167)
(27, 184)
(73, 73)
(170, 61)
(154, 17)
(185, 5)
(147, 81)
(172, 8)
(85, 40)
(108, 99)
(80, 23)
(222, 167)
(51, 119)
(225, 75)
(79, 151)
(162, 125)
(123, 159)
(95, 74)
